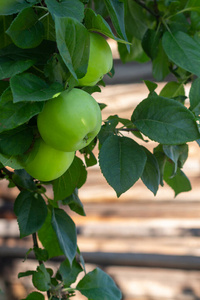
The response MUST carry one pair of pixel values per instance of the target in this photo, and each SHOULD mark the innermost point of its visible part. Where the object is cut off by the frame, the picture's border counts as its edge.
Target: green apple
(70, 121)
(46, 163)
(100, 60)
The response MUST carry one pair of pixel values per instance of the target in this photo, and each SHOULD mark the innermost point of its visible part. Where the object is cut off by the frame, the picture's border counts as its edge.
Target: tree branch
(147, 8)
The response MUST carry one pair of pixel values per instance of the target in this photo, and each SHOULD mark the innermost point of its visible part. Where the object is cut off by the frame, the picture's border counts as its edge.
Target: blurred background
(149, 245)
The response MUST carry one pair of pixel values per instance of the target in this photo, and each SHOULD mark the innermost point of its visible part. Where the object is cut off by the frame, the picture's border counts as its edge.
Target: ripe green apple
(46, 163)
(70, 121)
(100, 60)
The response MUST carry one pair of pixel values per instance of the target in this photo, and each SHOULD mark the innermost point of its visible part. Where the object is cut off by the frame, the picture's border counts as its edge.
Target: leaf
(151, 85)
(24, 180)
(4, 24)
(49, 28)
(116, 13)
(97, 23)
(69, 273)
(136, 52)
(66, 233)
(179, 182)
(35, 296)
(178, 154)
(26, 31)
(183, 50)
(136, 20)
(10, 161)
(41, 279)
(14, 60)
(13, 7)
(24, 274)
(165, 121)
(73, 178)
(66, 8)
(74, 47)
(122, 162)
(29, 87)
(16, 141)
(160, 64)
(97, 285)
(13, 115)
(150, 43)
(31, 211)
(48, 237)
(151, 173)
(194, 96)
(75, 203)
(172, 89)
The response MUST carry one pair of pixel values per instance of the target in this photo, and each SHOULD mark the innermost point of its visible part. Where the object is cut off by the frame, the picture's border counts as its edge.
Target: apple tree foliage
(43, 51)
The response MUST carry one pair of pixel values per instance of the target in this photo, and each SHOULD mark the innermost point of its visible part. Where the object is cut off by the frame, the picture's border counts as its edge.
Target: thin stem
(35, 245)
(146, 8)
(43, 16)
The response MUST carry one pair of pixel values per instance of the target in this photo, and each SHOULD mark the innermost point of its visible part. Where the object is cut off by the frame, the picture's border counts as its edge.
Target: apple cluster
(70, 121)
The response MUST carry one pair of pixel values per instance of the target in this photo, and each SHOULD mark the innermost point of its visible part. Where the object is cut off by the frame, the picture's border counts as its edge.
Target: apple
(46, 163)
(70, 121)
(100, 60)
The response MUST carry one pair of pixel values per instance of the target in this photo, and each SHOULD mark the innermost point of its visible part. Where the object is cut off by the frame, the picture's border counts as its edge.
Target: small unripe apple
(46, 163)
(70, 121)
(100, 60)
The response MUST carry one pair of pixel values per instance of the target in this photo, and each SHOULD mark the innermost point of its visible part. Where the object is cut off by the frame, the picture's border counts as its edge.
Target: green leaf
(75, 203)
(160, 64)
(97, 285)
(151, 85)
(4, 24)
(172, 89)
(136, 52)
(41, 254)
(73, 178)
(24, 274)
(178, 154)
(31, 211)
(97, 23)
(183, 50)
(116, 13)
(56, 70)
(66, 233)
(26, 31)
(74, 47)
(165, 121)
(150, 43)
(49, 28)
(16, 141)
(13, 115)
(29, 87)
(122, 162)
(48, 237)
(35, 296)
(10, 7)
(66, 8)
(24, 180)
(10, 66)
(41, 279)
(10, 161)
(151, 173)
(14, 60)
(4, 84)
(69, 272)
(194, 96)
(179, 182)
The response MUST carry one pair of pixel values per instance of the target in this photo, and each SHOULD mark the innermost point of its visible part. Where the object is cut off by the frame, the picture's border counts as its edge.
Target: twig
(147, 8)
